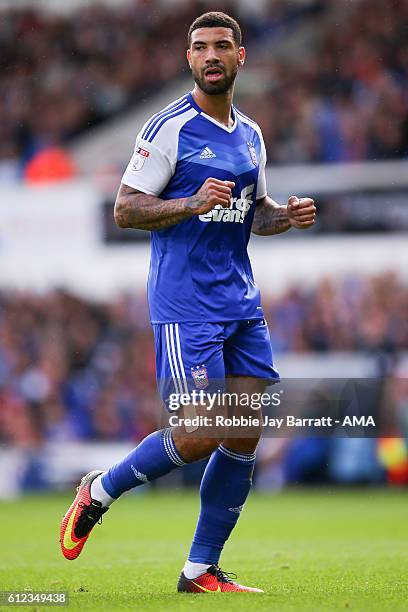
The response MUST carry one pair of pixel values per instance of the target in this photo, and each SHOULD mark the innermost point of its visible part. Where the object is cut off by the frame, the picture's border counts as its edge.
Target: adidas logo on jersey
(207, 153)
(236, 213)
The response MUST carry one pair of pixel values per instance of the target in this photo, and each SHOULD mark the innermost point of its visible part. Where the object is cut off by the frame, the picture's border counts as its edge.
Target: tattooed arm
(138, 210)
(271, 218)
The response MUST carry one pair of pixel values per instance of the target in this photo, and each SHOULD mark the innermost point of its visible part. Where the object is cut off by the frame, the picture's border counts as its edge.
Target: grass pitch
(309, 550)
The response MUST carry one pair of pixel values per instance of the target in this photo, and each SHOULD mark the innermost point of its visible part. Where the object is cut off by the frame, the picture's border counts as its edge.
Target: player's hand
(301, 212)
(212, 192)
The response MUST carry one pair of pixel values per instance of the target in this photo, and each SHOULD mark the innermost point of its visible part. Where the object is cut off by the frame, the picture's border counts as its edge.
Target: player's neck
(217, 107)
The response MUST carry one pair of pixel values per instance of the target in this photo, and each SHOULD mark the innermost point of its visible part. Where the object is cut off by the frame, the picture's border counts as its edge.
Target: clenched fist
(212, 192)
(301, 212)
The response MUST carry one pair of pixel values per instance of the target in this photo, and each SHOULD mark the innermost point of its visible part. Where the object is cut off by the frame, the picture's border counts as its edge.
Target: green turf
(309, 550)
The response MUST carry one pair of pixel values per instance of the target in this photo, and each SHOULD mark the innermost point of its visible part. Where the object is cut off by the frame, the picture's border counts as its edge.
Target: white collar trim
(221, 125)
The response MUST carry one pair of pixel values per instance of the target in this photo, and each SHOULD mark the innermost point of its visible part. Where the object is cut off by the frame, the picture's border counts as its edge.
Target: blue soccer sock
(155, 456)
(224, 488)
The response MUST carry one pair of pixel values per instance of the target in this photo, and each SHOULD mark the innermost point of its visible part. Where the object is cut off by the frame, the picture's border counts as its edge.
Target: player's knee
(208, 446)
(242, 445)
(194, 448)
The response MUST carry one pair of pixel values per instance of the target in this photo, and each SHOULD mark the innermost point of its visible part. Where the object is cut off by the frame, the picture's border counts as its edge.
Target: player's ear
(241, 56)
(189, 57)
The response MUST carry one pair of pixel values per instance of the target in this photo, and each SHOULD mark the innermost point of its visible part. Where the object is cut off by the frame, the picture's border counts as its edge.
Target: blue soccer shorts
(194, 355)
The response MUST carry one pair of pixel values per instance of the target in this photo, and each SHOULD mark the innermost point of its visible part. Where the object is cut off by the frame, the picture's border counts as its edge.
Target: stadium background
(328, 83)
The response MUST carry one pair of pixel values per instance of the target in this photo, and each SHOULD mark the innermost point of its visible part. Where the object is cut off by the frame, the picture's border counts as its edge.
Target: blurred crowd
(357, 314)
(346, 99)
(62, 74)
(75, 370)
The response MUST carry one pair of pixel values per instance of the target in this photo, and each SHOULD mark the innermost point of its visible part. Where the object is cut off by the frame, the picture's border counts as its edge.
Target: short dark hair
(216, 19)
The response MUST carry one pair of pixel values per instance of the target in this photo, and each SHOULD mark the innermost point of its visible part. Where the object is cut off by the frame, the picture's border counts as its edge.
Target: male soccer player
(197, 182)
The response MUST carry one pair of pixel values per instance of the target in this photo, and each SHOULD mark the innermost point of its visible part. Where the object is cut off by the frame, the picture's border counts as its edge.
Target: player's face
(214, 59)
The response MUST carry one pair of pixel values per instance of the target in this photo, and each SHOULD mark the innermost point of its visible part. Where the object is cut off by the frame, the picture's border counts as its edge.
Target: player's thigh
(244, 436)
(189, 358)
(190, 365)
(249, 368)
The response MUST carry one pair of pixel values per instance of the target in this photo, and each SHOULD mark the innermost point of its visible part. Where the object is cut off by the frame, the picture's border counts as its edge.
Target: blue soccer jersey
(200, 269)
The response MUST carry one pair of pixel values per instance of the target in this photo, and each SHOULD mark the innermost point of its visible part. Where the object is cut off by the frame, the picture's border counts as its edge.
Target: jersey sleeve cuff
(139, 187)
(260, 197)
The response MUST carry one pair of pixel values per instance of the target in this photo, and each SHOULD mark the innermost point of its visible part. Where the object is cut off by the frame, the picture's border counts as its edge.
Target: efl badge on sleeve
(139, 158)
(252, 152)
(200, 376)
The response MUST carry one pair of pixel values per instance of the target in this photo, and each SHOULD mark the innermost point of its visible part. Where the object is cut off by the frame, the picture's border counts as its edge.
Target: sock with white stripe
(155, 456)
(224, 488)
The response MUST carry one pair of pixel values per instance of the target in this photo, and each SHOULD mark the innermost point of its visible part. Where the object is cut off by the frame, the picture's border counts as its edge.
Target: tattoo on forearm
(138, 210)
(270, 218)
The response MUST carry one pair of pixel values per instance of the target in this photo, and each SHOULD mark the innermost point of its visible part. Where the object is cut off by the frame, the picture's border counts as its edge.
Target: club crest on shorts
(139, 158)
(252, 152)
(200, 376)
